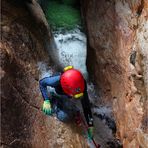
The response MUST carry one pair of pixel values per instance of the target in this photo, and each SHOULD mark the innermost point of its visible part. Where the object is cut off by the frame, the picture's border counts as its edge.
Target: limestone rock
(118, 38)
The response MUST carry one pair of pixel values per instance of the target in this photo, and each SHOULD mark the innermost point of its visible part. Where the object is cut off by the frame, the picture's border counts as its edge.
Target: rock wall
(117, 62)
(25, 38)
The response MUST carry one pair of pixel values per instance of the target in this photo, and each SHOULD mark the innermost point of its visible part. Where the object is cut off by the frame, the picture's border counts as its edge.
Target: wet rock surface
(23, 125)
(117, 63)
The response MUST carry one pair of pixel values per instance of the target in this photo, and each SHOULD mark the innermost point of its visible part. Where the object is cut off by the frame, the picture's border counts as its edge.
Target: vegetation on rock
(61, 15)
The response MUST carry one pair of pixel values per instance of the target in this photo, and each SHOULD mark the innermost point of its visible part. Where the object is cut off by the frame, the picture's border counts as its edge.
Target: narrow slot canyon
(106, 40)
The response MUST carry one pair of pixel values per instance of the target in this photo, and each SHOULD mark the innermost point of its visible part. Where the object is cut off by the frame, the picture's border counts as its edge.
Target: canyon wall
(117, 61)
(25, 39)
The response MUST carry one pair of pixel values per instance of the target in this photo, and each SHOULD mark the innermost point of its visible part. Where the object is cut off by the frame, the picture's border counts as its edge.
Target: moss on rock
(62, 16)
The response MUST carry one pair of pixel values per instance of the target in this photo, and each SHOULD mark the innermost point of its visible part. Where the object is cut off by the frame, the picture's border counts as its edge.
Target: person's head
(72, 82)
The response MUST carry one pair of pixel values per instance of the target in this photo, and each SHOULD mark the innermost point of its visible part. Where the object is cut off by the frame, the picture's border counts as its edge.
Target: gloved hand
(90, 132)
(47, 107)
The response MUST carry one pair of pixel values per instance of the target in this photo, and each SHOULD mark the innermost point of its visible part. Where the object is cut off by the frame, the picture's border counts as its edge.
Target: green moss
(62, 16)
(69, 2)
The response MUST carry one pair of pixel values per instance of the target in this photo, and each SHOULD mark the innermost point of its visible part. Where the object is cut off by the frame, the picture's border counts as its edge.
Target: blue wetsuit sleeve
(48, 81)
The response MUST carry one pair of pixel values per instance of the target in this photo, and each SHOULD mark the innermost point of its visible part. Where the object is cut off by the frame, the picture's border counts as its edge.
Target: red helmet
(72, 82)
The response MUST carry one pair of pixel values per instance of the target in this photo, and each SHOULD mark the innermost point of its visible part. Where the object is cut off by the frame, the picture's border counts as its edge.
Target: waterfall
(71, 49)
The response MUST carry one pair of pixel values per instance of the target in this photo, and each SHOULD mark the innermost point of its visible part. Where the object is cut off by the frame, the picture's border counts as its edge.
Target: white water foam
(103, 111)
(44, 69)
(71, 49)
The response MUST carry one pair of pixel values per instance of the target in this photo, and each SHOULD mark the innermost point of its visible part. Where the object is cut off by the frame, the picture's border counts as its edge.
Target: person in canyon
(68, 98)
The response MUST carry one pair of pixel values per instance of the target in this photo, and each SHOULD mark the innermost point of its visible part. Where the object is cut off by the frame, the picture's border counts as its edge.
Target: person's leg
(68, 115)
(65, 110)
(78, 119)
(62, 116)
(57, 107)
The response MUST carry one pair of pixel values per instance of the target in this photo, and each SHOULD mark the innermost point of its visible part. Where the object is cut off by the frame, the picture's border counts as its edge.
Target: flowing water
(70, 49)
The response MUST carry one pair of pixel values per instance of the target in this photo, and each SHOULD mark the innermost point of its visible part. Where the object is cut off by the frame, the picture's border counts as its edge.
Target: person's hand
(47, 107)
(90, 132)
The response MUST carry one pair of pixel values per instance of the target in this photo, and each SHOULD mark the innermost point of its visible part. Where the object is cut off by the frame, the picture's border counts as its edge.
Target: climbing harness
(81, 122)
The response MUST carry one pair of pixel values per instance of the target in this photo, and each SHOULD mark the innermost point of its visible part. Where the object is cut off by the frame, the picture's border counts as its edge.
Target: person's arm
(86, 107)
(87, 112)
(48, 81)
(52, 81)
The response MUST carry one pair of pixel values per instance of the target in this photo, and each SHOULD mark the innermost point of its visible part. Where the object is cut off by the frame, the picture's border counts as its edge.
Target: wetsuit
(64, 103)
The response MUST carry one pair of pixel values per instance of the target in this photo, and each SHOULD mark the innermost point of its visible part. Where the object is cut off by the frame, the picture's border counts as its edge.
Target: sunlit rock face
(23, 124)
(118, 60)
